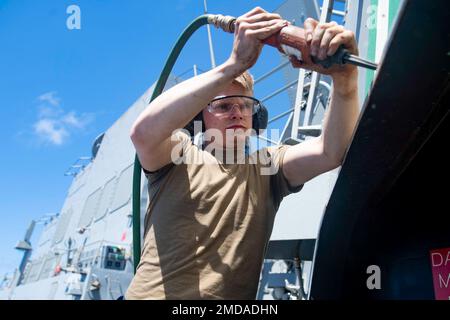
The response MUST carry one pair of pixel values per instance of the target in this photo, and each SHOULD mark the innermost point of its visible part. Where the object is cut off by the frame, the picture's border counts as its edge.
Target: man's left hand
(323, 40)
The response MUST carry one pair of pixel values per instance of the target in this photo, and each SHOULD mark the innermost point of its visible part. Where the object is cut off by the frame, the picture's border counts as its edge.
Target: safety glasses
(222, 105)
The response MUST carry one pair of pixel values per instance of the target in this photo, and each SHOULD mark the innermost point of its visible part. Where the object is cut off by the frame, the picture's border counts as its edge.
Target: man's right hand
(250, 31)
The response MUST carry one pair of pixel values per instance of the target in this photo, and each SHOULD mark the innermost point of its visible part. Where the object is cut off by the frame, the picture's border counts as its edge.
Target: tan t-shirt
(208, 225)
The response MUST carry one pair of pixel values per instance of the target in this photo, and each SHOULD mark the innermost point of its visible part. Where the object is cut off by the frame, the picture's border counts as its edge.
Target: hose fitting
(226, 23)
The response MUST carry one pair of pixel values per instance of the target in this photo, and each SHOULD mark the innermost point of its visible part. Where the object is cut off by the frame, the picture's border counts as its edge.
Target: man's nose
(236, 111)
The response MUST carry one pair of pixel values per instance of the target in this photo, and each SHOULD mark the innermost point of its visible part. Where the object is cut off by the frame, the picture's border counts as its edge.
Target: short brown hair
(246, 81)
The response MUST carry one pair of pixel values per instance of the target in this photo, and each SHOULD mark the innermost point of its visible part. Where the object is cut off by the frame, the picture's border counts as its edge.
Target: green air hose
(223, 22)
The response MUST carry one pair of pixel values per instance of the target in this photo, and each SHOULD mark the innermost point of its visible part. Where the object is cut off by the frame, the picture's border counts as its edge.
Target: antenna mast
(211, 50)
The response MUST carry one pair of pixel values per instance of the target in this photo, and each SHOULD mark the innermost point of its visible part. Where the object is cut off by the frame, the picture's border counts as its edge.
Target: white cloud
(54, 125)
(49, 130)
(80, 122)
(50, 98)
(47, 111)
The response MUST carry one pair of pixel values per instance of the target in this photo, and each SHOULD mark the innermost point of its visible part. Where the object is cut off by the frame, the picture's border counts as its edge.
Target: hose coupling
(226, 23)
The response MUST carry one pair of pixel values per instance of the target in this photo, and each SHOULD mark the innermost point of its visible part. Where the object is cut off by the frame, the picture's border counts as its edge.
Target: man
(208, 223)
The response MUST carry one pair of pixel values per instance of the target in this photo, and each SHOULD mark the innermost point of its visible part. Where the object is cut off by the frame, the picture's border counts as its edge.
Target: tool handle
(337, 58)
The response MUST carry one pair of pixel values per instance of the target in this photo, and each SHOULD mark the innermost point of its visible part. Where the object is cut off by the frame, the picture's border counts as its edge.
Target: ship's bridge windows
(123, 190)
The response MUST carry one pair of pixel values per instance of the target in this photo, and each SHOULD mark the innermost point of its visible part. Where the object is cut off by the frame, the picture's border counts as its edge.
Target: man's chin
(236, 141)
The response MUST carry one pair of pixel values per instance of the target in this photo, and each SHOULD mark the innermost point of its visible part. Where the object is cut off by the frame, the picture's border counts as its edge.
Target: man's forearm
(177, 106)
(341, 117)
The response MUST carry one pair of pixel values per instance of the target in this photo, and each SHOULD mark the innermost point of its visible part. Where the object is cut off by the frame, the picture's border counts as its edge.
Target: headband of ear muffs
(259, 121)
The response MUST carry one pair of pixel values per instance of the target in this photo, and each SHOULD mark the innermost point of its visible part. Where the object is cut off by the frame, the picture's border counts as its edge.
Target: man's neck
(227, 155)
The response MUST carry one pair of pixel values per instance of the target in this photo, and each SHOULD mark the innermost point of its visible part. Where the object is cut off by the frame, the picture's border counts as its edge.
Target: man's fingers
(254, 11)
(318, 33)
(257, 17)
(263, 30)
(261, 24)
(334, 45)
(329, 34)
(309, 25)
(264, 16)
(346, 38)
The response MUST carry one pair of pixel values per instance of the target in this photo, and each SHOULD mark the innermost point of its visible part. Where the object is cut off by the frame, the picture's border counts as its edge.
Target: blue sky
(61, 88)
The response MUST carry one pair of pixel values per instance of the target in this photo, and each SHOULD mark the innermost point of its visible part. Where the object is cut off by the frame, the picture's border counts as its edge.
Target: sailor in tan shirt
(212, 205)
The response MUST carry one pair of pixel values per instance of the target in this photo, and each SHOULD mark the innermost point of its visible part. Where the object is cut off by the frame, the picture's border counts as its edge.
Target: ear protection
(259, 121)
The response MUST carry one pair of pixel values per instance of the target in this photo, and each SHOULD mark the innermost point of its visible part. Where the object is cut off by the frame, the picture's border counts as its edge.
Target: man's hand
(324, 40)
(251, 29)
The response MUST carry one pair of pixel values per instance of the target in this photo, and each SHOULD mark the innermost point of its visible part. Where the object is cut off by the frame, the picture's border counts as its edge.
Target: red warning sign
(440, 266)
